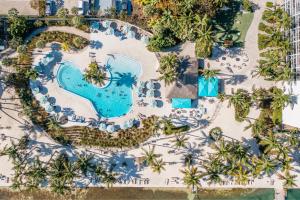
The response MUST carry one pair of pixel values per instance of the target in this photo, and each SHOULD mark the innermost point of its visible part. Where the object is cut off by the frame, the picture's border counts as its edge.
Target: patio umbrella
(110, 31)
(150, 85)
(95, 26)
(126, 29)
(145, 39)
(110, 128)
(131, 34)
(154, 103)
(36, 90)
(151, 93)
(124, 125)
(43, 99)
(130, 123)
(102, 126)
(106, 24)
(48, 107)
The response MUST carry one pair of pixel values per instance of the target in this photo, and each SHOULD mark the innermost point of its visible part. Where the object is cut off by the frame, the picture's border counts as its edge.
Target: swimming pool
(116, 98)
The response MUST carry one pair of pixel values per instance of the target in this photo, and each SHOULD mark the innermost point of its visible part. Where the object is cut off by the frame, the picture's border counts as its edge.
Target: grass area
(242, 23)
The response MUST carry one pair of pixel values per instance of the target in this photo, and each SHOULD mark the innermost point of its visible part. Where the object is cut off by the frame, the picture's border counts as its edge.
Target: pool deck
(131, 48)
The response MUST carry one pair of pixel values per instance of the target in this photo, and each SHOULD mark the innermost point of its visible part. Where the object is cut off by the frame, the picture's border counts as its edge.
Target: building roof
(208, 87)
(187, 84)
(181, 103)
(290, 114)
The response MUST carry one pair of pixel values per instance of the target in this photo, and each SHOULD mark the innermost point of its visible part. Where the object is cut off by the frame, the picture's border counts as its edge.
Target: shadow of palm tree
(125, 79)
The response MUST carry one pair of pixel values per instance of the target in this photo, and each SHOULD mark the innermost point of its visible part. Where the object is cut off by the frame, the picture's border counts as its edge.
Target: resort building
(290, 114)
(293, 8)
(190, 86)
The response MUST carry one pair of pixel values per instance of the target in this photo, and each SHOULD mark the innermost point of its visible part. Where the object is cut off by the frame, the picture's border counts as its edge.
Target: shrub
(269, 4)
(203, 49)
(215, 133)
(247, 5)
(7, 61)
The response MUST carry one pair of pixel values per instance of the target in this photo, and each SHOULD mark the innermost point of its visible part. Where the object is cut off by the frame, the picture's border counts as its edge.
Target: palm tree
(152, 124)
(213, 171)
(109, 179)
(12, 151)
(95, 75)
(65, 46)
(209, 73)
(158, 165)
(84, 163)
(192, 177)
(221, 148)
(78, 42)
(280, 100)
(150, 156)
(180, 141)
(270, 144)
(36, 174)
(40, 44)
(77, 21)
(289, 180)
(168, 68)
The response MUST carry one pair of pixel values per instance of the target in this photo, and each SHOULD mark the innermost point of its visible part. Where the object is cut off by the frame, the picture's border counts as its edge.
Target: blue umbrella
(145, 39)
(126, 29)
(110, 128)
(43, 99)
(35, 90)
(110, 31)
(154, 103)
(124, 125)
(102, 126)
(48, 107)
(150, 85)
(131, 34)
(95, 26)
(106, 24)
(151, 93)
(129, 123)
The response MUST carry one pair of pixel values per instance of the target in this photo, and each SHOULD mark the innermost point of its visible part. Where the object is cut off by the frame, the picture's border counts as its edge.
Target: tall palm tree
(280, 100)
(213, 170)
(84, 163)
(168, 68)
(158, 165)
(221, 148)
(180, 141)
(36, 174)
(109, 179)
(150, 156)
(152, 124)
(192, 177)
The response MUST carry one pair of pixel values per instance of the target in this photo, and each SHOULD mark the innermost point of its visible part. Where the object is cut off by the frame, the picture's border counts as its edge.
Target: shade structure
(110, 31)
(102, 126)
(213, 87)
(141, 84)
(145, 39)
(151, 93)
(35, 90)
(154, 103)
(150, 85)
(110, 128)
(208, 87)
(43, 99)
(131, 34)
(106, 24)
(126, 29)
(95, 26)
(48, 107)
(130, 123)
(124, 125)
(181, 103)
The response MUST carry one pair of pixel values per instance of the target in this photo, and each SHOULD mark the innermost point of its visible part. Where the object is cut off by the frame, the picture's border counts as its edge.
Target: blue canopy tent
(208, 87)
(181, 103)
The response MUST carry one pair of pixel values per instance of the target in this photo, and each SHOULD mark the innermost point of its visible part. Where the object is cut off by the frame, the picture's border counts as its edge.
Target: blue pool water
(115, 99)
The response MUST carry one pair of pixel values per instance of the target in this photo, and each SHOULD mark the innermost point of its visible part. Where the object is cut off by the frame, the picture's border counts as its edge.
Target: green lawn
(242, 23)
